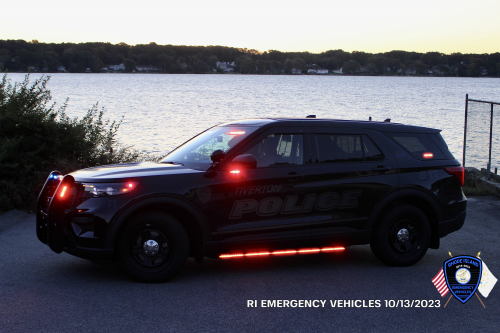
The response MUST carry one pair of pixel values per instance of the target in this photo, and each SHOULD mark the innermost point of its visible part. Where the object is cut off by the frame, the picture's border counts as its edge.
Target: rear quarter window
(419, 145)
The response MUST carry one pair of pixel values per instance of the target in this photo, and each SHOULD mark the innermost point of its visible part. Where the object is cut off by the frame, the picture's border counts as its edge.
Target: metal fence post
(491, 141)
(465, 128)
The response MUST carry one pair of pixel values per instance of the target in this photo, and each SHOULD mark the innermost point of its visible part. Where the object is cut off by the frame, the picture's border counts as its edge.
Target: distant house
(104, 69)
(32, 68)
(147, 69)
(61, 69)
(87, 70)
(317, 71)
(225, 66)
(337, 71)
(296, 71)
(363, 69)
(116, 68)
(411, 71)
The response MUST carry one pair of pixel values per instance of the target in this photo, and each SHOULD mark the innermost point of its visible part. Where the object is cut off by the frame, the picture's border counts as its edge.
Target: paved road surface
(41, 291)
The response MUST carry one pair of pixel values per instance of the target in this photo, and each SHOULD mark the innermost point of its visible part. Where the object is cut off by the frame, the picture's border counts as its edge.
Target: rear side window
(332, 148)
(419, 145)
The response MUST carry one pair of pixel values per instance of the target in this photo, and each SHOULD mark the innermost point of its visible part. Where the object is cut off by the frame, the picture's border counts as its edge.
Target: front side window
(196, 152)
(279, 149)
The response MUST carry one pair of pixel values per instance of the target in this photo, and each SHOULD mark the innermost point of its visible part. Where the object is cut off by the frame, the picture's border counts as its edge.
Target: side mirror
(217, 156)
(245, 161)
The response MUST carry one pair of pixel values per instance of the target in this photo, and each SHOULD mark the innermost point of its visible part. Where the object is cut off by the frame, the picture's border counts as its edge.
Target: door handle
(293, 176)
(381, 168)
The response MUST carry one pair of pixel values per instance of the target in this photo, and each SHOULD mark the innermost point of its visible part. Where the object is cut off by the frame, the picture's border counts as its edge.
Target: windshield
(196, 152)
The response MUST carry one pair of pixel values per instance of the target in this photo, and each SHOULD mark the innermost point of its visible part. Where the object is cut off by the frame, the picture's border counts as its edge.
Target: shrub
(35, 139)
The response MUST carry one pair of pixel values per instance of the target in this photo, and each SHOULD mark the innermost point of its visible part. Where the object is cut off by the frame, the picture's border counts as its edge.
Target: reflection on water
(162, 111)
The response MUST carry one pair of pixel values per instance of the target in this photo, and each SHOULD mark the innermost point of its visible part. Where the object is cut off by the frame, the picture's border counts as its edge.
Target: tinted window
(419, 145)
(372, 153)
(279, 149)
(333, 148)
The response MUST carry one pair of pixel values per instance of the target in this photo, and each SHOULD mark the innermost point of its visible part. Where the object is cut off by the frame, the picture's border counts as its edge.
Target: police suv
(262, 187)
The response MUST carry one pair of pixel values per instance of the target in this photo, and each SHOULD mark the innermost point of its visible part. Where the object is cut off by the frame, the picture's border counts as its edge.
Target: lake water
(162, 111)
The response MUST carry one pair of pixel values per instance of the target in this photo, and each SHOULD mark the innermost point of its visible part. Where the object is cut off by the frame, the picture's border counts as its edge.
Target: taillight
(458, 172)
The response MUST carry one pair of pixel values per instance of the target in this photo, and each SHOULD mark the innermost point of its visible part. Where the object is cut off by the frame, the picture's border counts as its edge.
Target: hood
(114, 172)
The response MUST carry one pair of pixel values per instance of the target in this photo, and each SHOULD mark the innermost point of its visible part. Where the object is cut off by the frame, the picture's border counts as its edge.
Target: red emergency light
(281, 252)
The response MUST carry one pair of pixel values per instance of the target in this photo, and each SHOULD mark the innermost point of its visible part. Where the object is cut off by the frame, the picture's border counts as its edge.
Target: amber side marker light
(281, 252)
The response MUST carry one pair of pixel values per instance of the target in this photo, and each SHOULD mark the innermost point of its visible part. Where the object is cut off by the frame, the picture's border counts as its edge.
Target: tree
(129, 65)
(288, 66)
(200, 66)
(35, 139)
(350, 67)
(246, 65)
(262, 66)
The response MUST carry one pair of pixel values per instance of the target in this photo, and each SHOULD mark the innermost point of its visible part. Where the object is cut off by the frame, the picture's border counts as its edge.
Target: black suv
(262, 187)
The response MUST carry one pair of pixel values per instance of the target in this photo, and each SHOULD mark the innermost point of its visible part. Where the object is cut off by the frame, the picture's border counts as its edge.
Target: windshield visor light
(236, 132)
(107, 189)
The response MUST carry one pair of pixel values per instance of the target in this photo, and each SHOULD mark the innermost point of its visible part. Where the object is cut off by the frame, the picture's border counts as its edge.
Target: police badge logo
(463, 275)
(204, 194)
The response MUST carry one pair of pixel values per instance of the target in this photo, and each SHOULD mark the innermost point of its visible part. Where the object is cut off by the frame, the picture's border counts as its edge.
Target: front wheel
(402, 236)
(153, 247)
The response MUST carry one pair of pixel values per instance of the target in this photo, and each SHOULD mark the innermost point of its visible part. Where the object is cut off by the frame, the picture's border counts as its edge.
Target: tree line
(23, 56)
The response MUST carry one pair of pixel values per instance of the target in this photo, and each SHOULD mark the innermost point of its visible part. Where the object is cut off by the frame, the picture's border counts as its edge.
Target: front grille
(75, 196)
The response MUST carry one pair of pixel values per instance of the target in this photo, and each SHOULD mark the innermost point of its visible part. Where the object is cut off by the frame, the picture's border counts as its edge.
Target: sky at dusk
(358, 25)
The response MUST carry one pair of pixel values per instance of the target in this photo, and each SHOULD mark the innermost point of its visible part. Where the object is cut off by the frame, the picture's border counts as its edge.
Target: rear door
(354, 174)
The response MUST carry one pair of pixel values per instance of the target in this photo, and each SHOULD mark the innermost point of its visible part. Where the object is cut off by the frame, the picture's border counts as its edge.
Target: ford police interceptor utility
(262, 187)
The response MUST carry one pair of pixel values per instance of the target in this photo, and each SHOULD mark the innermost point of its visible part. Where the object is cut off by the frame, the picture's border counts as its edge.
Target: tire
(402, 236)
(152, 247)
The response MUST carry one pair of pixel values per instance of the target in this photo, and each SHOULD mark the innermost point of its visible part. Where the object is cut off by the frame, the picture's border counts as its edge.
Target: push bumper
(60, 225)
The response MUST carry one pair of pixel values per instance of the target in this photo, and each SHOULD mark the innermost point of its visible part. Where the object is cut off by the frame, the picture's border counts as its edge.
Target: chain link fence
(481, 134)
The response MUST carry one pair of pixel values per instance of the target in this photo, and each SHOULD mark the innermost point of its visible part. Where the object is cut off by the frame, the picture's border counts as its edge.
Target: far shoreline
(268, 74)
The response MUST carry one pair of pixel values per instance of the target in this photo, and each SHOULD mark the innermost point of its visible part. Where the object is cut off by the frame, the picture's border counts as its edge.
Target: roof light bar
(281, 252)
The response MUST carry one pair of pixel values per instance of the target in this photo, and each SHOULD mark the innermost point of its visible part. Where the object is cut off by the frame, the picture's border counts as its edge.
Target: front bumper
(63, 227)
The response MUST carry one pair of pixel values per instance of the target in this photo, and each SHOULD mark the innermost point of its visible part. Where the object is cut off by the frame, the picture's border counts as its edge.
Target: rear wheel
(402, 237)
(153, 247)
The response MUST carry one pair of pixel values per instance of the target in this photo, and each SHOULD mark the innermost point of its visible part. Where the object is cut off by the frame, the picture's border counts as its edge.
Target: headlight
(106, 189)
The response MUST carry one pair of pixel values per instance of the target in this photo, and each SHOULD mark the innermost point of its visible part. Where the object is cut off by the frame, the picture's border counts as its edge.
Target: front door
(266, 208)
